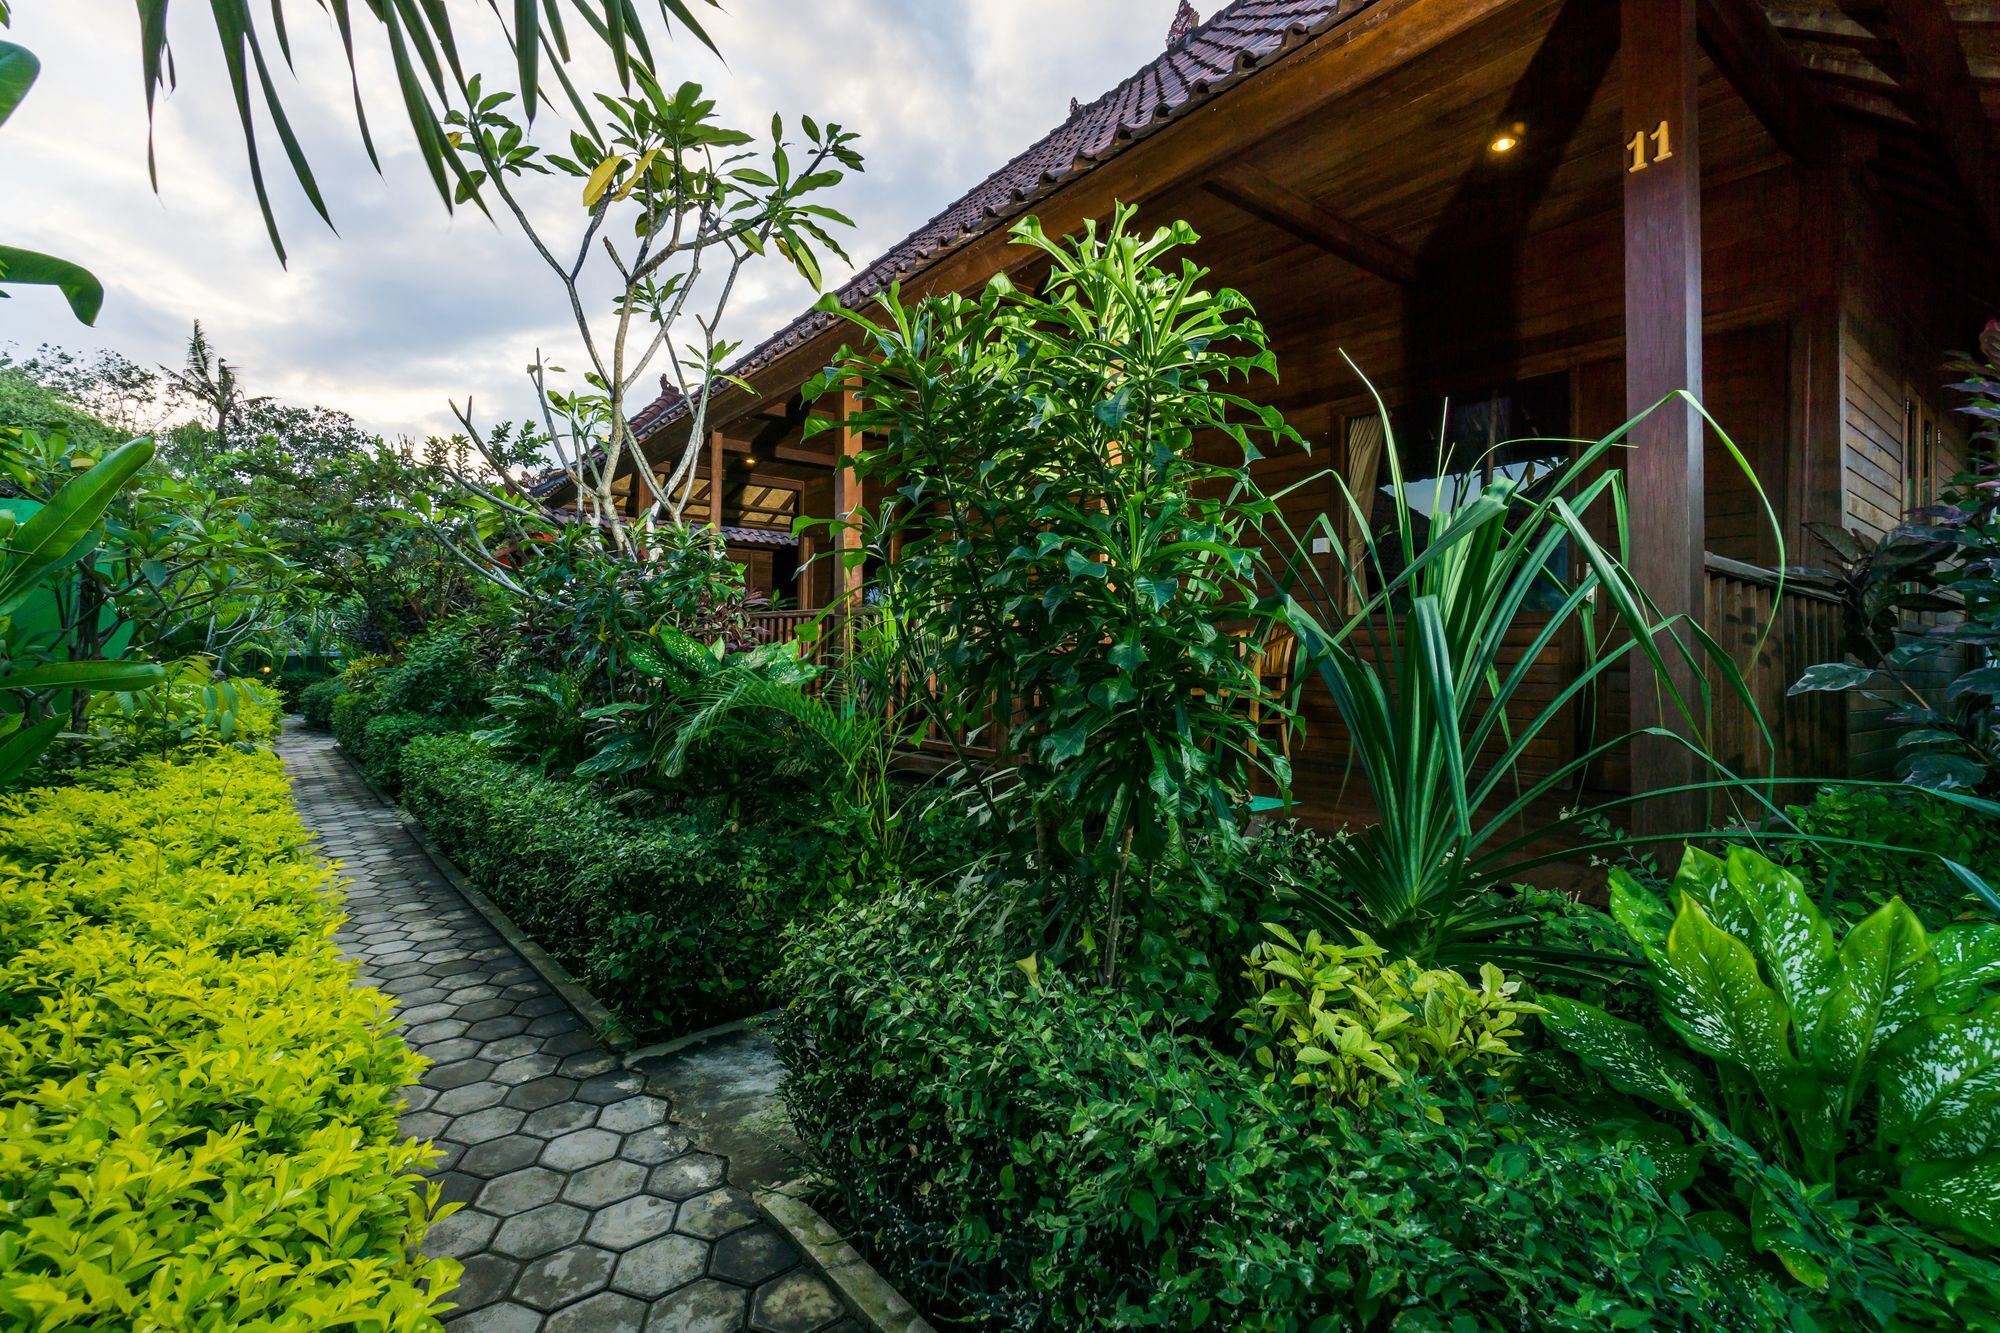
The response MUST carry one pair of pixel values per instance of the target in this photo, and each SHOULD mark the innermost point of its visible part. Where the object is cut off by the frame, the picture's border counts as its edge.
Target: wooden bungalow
(1552, 212)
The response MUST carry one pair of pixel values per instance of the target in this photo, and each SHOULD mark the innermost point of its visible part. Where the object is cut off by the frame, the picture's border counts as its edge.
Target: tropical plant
(1411, 635)
(1346, 1021)
(670, 174)
(85, 294)
(34, 551)
(1864, 1066)
(192, 705)
(1080, 585)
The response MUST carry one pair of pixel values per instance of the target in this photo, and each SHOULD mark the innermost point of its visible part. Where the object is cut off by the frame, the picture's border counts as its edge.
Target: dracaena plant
(1081, 581)
(1867, 1065)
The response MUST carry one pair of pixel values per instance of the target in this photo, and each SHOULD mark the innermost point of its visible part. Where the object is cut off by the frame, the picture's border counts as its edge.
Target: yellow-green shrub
(1343, 1021)
(197, 1108)
(191, 706)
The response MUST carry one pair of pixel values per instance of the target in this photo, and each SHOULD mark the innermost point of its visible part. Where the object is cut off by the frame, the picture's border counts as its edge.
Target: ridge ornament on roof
(1183, 26)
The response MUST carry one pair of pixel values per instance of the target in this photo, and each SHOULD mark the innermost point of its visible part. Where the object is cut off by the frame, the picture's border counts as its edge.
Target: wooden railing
(780, 626)
(1773, 635)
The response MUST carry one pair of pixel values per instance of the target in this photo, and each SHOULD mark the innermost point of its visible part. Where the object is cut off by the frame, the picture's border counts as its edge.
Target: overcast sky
(409, 305)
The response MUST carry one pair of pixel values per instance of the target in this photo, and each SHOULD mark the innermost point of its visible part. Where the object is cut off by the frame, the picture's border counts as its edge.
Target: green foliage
(316, 702)
(1849, 849)
(1035, 1153)
(198, 1109)
(1347, 1022)
(28, 405)
(1864, 1064)
(192, 705)
(1417, 639)
(1069, 585)
(85, 294)
(669, 919)
(444, 672)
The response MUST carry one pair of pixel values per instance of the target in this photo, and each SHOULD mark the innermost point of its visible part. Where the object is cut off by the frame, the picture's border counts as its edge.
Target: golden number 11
(1660, 140)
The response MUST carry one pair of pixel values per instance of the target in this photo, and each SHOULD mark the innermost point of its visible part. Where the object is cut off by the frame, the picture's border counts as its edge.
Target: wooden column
(715, 480)
(1662, 169)
(846, 499)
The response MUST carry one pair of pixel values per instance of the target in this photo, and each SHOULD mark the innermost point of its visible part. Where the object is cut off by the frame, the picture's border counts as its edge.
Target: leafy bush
(1864, 1065)
(385, 736)
(300, 675)
(444, 673)
(189, 707)
(316, 702)
(1346, 1022)
(670, 919)
(197, 1107)
(1858, 879)
(1035, 1153)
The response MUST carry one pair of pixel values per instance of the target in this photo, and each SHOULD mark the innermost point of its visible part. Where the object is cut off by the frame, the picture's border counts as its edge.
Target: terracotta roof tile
(1230, 45)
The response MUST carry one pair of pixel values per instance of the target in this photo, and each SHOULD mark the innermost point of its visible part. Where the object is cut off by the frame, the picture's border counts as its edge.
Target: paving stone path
(587, 1208)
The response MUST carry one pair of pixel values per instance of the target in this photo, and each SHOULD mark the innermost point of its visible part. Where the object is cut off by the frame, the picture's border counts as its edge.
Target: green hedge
(197, 1107)
(672, 920)
(316, 702)
(1034, 1154)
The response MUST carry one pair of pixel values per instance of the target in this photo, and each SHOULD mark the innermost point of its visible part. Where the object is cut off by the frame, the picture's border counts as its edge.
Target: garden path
(587, 1207)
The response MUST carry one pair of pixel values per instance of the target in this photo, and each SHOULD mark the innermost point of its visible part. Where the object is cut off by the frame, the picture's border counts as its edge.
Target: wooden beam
(1760, 65)
(715, 444)
(1941, 82)
(1256, 193)
(1662, 169)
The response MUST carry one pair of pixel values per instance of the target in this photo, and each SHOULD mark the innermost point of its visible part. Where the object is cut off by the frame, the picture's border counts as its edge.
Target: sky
(408, 306)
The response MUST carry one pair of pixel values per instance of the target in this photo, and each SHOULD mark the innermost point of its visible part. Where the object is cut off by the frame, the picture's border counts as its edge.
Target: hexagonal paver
(542, 1092)
(463, 1234)
(496, 1157)
(633, 1113)
(540, 1230)
(524, 1068)
(798, 1302)
(492, 1123)
(553, 1121)
(503, 1049)
(503, 1318)
(486, 1279)
(752, 1255)
(715, 1214)
(588, 1064)
(500, 1025)
(583, 1147)
(472, 1097)
(622, 1225)
(659, 1266)
(659, 1144)
(686, 1176)
(602, 1313)
(520, 1191)
(458, 1074)
(570, 1274)
(442, 1030)
(706, 1306)
(607, 1182)
(422, 1124)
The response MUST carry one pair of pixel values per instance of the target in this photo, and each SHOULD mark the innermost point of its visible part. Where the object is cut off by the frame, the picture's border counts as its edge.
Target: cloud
(408, 305)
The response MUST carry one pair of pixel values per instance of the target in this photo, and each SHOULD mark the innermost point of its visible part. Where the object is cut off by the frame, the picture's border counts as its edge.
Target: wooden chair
(1276, 658)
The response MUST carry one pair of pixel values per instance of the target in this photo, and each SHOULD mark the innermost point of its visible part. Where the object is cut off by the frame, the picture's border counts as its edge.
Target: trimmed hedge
(672, 920)
(316, 702)
(197, 1107)
(1033, 1153)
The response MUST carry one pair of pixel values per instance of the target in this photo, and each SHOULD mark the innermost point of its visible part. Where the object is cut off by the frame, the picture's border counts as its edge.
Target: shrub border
(873, 1297)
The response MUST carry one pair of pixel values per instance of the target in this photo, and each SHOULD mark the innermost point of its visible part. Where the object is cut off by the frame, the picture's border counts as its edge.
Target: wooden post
(715, 480)
(1662, 169)
(846, 499)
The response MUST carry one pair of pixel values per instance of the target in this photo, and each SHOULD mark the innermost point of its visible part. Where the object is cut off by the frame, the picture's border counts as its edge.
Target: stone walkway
(587, 1208)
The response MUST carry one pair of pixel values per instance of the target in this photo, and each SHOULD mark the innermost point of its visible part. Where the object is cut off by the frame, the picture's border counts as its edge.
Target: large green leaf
(20, 750)
(1788, 935)
(1955, 1196)
(1719, 1003)
(78, 285)
(1885, 983)
(1940, 1088)
(1968, 961)
(59, 532)
(18, 68)
(1624, 1053)
(121, 676)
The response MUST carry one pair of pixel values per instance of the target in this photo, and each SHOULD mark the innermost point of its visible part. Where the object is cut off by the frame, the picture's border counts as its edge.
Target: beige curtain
(1365, 438)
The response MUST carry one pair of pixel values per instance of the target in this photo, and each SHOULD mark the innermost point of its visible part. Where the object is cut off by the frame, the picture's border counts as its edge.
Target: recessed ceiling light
(1504, 142)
